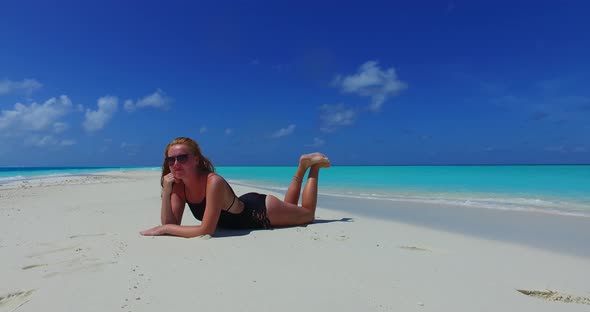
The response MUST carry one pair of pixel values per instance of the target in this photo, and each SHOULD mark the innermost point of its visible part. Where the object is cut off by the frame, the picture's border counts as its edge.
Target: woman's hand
(155, 231)
(169, 181)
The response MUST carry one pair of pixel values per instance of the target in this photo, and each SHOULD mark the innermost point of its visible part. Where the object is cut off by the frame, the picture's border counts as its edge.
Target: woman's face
(181, 161)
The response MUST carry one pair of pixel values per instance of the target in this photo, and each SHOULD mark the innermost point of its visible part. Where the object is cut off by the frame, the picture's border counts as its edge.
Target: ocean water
(552, 189)
(549, 188)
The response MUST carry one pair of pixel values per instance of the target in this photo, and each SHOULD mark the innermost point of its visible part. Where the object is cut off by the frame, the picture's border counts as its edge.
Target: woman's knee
(309, 217)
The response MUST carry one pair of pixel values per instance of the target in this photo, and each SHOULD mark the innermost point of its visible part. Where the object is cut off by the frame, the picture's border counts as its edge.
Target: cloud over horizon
(317, 142)
(36, 117)
(284, 131)
(333, 117)
(158, 100)
(27, 86)
(371, 81)
(48, 140)
(95, 120)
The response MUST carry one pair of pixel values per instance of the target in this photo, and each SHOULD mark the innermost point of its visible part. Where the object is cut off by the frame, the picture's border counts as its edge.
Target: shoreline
(547, 205)
(553, 231)
(75, 246)
(54, 174)
(534, 202)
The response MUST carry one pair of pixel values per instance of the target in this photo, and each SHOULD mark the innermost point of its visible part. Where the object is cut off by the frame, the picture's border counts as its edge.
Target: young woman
(189, 177)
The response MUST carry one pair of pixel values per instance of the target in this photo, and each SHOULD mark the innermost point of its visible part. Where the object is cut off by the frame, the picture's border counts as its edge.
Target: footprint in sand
(134, 297)
(51, 251)
(551, 295)
(342, 237)
(414, 248)
(70, 259)
(87, 235)
(69, 266)
(26, 267)
(15, 299)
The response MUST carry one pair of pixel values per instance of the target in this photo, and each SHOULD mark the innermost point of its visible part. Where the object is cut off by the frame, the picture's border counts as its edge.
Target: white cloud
(129, 106)
(130, 148)
(284, 131)
(35, 124)
(372, 82)
(67, 142)
(60, 127)
(229, 131)
(157, 100)
(203, 130)
(335, 116)
(35, 117)
(27, 86)
(95, 120)
(317, 142)
(47, 141)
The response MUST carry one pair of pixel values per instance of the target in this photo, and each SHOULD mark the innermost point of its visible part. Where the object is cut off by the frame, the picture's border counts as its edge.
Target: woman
(189, 177)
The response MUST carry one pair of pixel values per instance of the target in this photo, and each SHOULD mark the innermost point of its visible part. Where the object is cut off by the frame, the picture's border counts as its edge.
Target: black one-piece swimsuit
(252, 217)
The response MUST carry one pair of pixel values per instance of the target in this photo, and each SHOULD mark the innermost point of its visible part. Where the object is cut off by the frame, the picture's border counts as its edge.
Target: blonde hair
(205, 164)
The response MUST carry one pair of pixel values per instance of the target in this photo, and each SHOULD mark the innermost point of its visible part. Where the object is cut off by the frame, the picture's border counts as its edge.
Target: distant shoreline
(550, 189)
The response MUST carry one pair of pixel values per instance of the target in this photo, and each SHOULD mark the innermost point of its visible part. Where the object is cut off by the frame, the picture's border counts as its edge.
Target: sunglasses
(180, 158)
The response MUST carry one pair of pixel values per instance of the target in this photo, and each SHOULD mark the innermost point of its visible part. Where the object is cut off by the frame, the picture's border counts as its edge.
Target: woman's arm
(215, 192)
(185, 231)
(172, 204)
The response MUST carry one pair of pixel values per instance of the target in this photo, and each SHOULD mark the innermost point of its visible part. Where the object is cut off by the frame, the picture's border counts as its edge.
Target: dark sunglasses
(180, 158)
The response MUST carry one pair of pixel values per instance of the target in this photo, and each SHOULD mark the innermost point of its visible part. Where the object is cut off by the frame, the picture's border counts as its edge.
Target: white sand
(75, 246)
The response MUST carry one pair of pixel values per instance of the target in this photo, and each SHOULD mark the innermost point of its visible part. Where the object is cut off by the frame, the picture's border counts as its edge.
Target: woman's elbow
(206, 231)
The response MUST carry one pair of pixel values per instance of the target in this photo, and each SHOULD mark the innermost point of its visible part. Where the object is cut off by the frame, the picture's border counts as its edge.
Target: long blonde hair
(205, 165)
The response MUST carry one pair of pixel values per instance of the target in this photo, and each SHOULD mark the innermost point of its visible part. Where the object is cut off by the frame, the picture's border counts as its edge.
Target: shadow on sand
(219, 233)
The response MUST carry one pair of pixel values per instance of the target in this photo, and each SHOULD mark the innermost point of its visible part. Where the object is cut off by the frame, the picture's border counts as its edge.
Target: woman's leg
(287, 213)
(310, 191)
(294, 190)
(305, 161)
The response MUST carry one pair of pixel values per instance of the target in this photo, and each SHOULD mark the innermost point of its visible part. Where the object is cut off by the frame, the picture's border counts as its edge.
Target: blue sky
(110, 83)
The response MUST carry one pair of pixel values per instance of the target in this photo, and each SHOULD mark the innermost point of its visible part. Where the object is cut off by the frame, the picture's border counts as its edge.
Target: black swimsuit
(252, 217)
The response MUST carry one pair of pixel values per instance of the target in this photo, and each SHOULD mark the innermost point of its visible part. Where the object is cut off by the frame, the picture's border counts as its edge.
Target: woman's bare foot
(318, 159)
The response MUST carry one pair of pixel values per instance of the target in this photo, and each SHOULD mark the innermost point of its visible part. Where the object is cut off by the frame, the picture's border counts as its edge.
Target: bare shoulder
(215, 181)
(215, 186)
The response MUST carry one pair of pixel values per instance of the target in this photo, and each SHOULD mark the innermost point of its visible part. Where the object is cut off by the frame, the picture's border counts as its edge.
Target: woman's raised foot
(318, 159)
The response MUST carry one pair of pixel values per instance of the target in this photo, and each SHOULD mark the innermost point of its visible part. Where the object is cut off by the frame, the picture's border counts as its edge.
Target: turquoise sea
(555, 189)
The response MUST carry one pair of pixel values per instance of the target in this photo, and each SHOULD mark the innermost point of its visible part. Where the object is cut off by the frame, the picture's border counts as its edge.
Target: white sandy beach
(74, 245)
